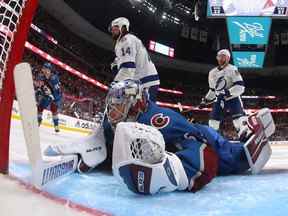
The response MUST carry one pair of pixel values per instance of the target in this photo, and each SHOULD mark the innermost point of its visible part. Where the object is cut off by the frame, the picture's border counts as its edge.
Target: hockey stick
(42, 172)
(180, 107)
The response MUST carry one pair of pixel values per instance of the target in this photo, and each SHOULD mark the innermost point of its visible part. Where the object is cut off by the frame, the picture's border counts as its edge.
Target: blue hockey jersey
(204, 153)
(53, 83)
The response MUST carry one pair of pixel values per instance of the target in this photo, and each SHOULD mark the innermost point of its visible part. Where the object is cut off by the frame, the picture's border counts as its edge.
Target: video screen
(271, 8)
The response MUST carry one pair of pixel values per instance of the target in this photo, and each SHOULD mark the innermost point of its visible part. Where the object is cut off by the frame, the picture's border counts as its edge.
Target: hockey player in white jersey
(133, 60)
(225, 88)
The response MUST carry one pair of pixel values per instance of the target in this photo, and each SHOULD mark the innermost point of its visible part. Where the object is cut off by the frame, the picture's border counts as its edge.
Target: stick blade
(28, 111)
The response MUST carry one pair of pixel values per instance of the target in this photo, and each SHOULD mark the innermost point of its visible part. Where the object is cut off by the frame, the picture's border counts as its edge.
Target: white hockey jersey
(223, 81)
(134, 62)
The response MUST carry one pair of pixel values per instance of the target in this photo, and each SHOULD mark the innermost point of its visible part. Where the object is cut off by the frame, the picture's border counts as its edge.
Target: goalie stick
(42, 172)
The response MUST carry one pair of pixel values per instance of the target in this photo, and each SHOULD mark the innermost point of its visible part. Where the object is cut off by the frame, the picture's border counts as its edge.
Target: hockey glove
(203, 103)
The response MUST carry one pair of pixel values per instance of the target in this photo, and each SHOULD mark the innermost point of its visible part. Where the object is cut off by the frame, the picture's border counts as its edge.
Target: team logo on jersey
(159, 121)
(220, 84)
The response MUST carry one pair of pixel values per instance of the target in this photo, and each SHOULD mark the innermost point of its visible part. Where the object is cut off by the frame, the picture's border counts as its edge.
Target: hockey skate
(56, 128)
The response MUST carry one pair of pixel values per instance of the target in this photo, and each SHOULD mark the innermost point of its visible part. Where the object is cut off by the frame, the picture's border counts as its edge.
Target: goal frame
(8, 89)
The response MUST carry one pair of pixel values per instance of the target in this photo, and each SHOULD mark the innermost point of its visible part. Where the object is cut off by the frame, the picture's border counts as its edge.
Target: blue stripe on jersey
(149, 78)
(127, 65)
(238, 83)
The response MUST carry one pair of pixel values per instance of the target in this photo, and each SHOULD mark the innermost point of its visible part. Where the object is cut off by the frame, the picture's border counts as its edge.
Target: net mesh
(146, 151)
(10, 12)
(15, 19)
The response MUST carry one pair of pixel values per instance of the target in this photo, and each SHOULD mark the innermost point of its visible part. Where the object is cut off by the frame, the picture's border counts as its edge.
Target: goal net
(15, 19)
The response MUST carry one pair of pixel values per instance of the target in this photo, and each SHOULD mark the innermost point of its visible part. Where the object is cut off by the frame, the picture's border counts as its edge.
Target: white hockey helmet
(125, 100)
(120, 22)
(224, 52)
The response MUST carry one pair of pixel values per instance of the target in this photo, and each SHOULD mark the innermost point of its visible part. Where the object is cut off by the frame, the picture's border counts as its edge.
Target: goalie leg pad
(92, 149)
(257, 148)
(262, 120)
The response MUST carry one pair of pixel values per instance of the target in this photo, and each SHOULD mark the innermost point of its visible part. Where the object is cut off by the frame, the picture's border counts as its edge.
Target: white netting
(10, 12)
(134, 141)
(146, 150)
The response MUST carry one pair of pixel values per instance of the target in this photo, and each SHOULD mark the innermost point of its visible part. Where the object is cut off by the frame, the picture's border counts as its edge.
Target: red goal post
(15, 20)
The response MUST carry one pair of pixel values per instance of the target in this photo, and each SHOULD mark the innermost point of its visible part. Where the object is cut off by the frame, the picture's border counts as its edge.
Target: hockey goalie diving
(141, 149)
(152, 116)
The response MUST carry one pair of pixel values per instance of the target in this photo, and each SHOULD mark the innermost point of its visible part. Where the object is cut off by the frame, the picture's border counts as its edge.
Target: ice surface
(263, 194)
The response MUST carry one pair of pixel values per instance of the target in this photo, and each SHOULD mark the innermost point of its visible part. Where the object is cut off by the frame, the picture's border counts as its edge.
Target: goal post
(15, 20)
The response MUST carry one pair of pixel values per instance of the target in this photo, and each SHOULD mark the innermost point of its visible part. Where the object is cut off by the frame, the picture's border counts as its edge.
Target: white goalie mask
(125, 100)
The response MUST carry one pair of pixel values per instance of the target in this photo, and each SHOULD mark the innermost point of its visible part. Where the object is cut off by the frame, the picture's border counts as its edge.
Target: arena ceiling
(163, 21)
(158, 20)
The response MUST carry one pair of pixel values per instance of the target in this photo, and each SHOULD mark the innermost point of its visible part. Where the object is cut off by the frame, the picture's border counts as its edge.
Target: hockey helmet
(120, 22)
(125, 101)
(224, 52)
(48, 65)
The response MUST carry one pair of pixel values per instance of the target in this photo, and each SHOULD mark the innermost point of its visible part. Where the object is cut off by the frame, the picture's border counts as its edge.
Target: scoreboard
(271, 8)
(161, 48)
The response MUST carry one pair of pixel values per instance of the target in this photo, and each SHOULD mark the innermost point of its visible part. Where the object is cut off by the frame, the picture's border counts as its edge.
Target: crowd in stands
(86, 101)
(80, 99)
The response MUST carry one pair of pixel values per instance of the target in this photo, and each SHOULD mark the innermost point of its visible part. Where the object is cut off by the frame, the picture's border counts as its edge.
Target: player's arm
(127, 58)
(211, 95)
(238, 87)
(114, 66)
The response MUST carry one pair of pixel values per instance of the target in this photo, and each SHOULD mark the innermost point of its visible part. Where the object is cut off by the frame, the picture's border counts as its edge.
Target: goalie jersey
(227, 81)
(133, 62)
(202, 151)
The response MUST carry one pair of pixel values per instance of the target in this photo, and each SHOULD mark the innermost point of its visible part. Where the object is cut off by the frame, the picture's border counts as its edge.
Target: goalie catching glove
(140, 160)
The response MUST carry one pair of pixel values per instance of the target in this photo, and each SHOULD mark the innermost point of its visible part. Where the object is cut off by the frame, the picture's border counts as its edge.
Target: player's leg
(232, 157)
(257, 147)
(235, 106)
(238, 157)
(91, 149)
(216, 115)
(54, 109)
(200, 163)
(43, 104)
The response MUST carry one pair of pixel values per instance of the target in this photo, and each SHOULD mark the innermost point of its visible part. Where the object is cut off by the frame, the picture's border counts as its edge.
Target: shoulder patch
(159, 121)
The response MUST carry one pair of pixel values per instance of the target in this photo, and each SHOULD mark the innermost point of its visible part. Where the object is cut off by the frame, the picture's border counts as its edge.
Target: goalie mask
(125, 101)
